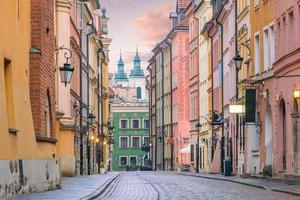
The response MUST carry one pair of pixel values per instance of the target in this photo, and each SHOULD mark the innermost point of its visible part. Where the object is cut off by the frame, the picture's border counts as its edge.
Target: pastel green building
(131, 122)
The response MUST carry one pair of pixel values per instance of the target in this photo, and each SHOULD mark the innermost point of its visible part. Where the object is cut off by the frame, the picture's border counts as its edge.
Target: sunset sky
(134, 23)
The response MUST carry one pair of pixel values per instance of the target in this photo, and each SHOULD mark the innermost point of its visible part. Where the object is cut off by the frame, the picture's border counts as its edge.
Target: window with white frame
(266, 50)
(146, 124)
(123, 160)
(272, 45)
(256, 53)
(133, 161)
(123, 124)
(123, 142)
(135, 142)
(135, 123)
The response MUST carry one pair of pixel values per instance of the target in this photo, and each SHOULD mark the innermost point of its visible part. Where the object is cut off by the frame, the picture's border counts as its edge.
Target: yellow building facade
(25, 164)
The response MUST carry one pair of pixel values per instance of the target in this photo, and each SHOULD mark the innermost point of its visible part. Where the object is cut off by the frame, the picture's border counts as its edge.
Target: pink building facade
(279, 113)
(180, 94)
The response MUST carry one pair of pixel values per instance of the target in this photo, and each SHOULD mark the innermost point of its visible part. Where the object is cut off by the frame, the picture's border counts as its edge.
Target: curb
(287, 192)
(101, 189)
(242, 183)
(227, 180)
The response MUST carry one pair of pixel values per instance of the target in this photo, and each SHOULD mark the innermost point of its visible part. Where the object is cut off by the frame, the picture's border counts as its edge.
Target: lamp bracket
(67, 54)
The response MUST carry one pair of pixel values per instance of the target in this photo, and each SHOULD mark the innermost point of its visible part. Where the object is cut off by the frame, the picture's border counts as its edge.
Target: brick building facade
(42, 76)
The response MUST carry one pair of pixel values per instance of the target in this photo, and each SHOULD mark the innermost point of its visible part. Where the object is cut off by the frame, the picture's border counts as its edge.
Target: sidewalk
(253, 182)
(73, 188)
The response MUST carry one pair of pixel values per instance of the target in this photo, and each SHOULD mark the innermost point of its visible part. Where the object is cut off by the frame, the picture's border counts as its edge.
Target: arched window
(47, 116)
(139, 92)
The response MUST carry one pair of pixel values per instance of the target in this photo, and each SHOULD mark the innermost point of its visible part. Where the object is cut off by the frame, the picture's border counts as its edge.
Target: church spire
(121, 74)
(137, 71)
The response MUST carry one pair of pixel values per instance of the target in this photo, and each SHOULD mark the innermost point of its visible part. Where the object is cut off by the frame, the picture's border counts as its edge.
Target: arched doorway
(269, 137)
(282, 129)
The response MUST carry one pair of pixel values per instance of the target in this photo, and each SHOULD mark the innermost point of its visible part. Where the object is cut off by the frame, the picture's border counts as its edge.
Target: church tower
(137, 78)
(137, 70)
(121, 75)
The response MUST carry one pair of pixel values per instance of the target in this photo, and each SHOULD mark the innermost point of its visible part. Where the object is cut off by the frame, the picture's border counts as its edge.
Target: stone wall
(26, 176)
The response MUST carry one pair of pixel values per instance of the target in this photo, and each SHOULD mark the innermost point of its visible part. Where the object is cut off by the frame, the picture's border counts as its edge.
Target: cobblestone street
(154, 186)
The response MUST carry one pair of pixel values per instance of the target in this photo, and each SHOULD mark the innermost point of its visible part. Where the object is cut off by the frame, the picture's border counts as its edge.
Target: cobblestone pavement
(177, 187)
(72, 188)
(157, 186)
(130, 186)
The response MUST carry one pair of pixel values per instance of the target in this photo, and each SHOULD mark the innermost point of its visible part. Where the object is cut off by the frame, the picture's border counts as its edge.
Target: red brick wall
(42, 74)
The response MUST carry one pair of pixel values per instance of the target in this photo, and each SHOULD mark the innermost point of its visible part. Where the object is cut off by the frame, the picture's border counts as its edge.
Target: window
(272, 45)
(47, 116)
(123, 124)
(135, 123)
(139, 93)
(8, 92)
(146, 141)
(257, 53)
(133, 161)
(146, 123)
(123, 160)
(123, 142)
(136, 142)
(266, 50)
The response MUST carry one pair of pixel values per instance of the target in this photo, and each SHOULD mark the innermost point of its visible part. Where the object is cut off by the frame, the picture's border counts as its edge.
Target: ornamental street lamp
(198, 127)
(66, 71)
(238, 62)
(91, 118)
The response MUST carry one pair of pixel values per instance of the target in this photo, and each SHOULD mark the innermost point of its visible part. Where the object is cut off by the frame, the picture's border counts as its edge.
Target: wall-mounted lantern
(238, 62)
(297, 94)
(66, 71)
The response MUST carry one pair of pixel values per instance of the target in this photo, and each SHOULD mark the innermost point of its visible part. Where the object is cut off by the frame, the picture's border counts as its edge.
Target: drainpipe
(212, 94)
(222, 102)
(99, 75)
(155, 156)
(150, 111)
(163, 105)
(88, 83)
(236, 92)
(169, 42)
(101, 92)
(80, 107)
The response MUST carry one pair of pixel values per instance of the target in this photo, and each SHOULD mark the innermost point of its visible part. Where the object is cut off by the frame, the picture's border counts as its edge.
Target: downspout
(101, 92)
(163, 105)
(155, 156)
(212, 92)
(222, 94)
(236, 92)
(88, 82)
(80, 106)
(150, 111)
(169, 42)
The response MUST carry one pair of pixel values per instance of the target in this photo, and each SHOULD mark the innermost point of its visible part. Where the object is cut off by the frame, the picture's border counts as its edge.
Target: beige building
(203, 14)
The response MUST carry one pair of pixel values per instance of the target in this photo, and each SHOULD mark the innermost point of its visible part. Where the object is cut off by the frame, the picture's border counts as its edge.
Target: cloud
(153, 25)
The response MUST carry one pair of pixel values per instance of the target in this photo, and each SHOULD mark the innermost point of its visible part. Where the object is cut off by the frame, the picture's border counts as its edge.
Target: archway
(268, 137)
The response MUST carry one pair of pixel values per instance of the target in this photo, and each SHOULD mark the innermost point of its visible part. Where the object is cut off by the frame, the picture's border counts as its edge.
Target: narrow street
(169, 186)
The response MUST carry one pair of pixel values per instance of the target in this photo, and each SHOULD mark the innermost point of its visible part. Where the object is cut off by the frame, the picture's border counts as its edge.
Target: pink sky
(136, 22)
